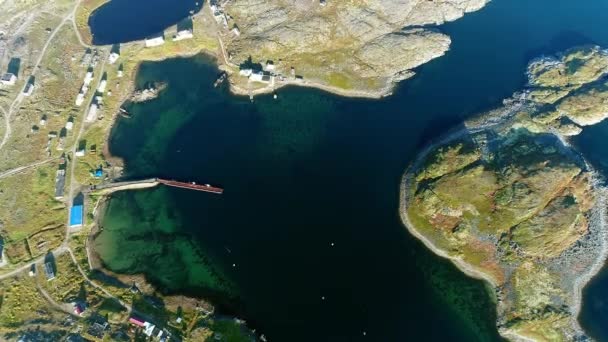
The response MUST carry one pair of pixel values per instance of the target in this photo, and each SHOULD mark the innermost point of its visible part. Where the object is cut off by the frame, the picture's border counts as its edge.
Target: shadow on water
(121, 21)
(560, 43)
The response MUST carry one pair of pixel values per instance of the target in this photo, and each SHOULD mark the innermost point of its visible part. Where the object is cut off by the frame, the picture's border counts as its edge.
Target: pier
(192, 186)
(108, 188)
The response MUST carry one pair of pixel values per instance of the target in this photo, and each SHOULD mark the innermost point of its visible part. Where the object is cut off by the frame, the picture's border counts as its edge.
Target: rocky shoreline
(598, 232)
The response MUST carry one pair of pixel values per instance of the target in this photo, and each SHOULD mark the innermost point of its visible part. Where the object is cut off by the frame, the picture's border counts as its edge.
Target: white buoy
(322, 297)
(275, 96)
(333, 244)
(233, 265)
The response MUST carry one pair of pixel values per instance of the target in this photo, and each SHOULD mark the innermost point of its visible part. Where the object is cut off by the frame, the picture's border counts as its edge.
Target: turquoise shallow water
(311, 169)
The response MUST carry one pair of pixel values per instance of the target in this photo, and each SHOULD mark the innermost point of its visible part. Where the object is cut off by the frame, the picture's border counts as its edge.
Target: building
(155, 41)
(269, 66)
(79, 153)
(69, 125)
(113, 57)
(76, 215)
(98, 173)
(79, 99)
(245, 72)
(28, 90)
(78, 309)
(102, 86)
(8, 79)
(137, 321)
(88, 78)
(235, 30)
(92, 114)
(183, 34)
(323, 2)
(149, 328)
(256, 76)
(59, 183)
(49, 270)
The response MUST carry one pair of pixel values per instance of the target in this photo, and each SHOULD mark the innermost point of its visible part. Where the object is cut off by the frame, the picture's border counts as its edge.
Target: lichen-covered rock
(506, 199)
(370, 43)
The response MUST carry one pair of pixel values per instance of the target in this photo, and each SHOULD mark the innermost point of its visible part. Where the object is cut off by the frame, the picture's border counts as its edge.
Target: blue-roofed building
(76, 215)
(98, 173)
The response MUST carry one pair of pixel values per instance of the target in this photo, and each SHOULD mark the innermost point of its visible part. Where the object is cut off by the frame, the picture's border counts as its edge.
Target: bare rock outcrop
(358, 44)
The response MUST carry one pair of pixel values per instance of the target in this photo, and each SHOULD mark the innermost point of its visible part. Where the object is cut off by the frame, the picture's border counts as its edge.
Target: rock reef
(363, 45)
(508, 200)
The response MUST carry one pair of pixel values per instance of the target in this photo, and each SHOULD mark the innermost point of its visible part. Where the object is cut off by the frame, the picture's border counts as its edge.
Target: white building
(235, 30)
(102, 86)
(148, 328)
(88, 78)
(79, 99)
(183, 34)
(28, 90)
(113, 57)
(269, 66)
(8, 79)
(156, 41)
(79, 153)
(256, 76)
(92, 114)
(69, 125)
(245, 72)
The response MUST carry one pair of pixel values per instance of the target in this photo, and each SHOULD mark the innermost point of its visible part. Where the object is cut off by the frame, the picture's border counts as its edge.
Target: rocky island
(355, 48)
(508, 200)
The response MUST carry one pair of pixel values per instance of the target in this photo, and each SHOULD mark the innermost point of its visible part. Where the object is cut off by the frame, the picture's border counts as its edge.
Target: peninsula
(508, 200)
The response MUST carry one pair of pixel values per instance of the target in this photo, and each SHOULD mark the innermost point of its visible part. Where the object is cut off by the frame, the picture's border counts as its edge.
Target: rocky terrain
(363, 45)
(509, 201)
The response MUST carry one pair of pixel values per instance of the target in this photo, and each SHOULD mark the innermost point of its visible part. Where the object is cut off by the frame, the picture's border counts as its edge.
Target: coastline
(480, 123)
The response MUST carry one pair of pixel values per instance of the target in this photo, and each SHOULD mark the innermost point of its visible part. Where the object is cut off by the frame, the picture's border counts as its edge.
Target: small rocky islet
(510, 201)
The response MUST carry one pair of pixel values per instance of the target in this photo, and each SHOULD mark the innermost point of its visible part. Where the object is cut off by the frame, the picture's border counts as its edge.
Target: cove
(311, 169)
(121, 21)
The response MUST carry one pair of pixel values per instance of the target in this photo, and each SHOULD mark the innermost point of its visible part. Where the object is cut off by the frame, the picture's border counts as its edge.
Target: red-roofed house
(137, 321)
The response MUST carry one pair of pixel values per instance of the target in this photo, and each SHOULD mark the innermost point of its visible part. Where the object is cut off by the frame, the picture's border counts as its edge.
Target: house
(137, 321)
(235, 30)
(8, 79)
(78, 309)
(256, 76)
(148, 328)
(79, 153)
(79, 99)
(88, 78)
(59, 183)
(28, 90)
(69, 125)
(183, 34)
(113, 57)
(102, 86)
(323, 2)
(42, 121)
(76, 215)
(49, 270)
(245, 72)
(92, 114)
(269, 66)
(155, 41)
(98, 173)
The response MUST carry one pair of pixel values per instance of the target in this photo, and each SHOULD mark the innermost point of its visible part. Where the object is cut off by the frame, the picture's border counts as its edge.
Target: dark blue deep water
(121, 21)
(310, 169)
